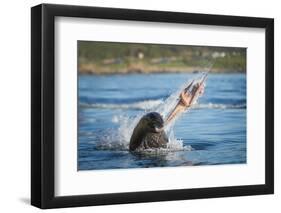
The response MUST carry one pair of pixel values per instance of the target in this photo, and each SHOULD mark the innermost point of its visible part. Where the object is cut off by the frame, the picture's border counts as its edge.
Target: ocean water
(212, 132)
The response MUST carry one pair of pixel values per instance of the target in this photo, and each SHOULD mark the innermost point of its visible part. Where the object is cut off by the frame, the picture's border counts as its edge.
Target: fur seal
(149, 133)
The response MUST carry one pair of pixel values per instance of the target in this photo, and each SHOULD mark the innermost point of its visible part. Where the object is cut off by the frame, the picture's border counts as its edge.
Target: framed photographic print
(139, 106)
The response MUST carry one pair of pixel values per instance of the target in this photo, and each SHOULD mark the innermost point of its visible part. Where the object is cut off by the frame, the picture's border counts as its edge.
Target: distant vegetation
(111, 57)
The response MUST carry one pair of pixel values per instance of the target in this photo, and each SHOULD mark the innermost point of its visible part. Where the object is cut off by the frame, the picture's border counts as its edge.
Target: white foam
(141, 105)
(149, 105)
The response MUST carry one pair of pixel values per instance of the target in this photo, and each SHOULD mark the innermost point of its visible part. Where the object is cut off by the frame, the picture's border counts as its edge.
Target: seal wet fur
(149, 133)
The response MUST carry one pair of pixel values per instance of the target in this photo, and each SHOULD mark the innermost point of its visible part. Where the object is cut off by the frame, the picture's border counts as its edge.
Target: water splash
(119, 140)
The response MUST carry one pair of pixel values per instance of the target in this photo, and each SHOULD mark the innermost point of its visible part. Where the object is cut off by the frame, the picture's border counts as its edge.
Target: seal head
(149, 133)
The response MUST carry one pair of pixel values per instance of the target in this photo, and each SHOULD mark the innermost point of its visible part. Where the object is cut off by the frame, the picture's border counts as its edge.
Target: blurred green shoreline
(87, 70)
(102, 58)
(151, 71)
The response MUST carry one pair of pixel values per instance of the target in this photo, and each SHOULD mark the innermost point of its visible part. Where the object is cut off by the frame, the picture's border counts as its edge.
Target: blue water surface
(215, 131)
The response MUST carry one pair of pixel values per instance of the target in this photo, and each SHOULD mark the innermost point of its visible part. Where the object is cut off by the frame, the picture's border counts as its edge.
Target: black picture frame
(43, 105)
